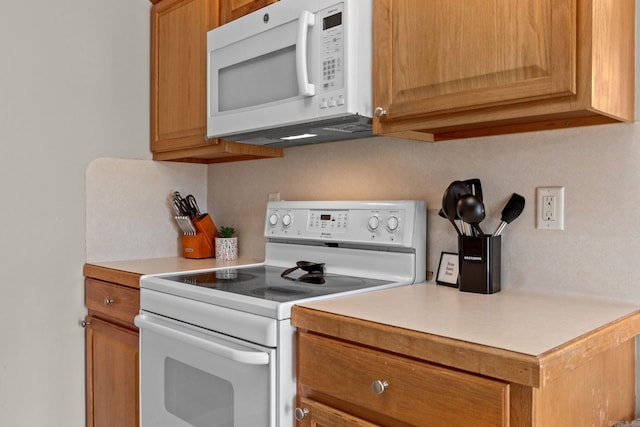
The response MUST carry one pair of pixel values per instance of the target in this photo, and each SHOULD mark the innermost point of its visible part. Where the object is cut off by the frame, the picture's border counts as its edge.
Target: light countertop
(128, 272)
(518, 321)
(170, 264)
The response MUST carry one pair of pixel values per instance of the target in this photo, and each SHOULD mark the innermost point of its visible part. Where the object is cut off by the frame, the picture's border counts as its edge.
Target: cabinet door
(450, 55)
(233, 9)
(320, 415)
(112, 375)
(178, 73)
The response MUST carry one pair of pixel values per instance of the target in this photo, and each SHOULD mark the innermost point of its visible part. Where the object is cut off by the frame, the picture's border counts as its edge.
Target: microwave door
(259, 76)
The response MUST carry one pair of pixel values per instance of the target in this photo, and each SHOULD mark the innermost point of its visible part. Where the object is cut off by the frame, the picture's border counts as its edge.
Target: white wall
(74, 86)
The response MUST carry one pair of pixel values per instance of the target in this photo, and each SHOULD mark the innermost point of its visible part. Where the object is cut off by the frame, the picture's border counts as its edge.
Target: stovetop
(254, 289)
(265, 282)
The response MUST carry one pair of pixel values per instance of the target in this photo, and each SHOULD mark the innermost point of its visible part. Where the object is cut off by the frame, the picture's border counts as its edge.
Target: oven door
(260, 69)
(194, 377)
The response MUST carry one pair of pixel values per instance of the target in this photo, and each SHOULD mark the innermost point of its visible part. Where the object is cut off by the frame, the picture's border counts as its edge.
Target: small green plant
(226, 232)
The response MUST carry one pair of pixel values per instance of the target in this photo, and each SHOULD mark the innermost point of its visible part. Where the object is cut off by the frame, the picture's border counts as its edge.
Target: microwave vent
(336, 129)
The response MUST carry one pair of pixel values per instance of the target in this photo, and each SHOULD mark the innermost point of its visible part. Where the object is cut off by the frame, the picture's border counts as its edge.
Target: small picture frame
(448, 270)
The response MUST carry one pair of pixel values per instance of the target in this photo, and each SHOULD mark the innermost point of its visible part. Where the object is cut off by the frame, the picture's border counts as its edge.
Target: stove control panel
(328, 221)
(393, 223)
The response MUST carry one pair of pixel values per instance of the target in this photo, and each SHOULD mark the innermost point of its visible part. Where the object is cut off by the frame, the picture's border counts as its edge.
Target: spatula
(510, 212)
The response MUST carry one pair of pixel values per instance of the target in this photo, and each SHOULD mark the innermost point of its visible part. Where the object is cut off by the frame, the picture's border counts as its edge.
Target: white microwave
(292, 73)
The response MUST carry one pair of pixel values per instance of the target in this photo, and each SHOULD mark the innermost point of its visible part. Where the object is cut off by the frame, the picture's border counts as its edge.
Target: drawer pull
(108, 301)
(300, 413)
(380, 112)
(379, 386)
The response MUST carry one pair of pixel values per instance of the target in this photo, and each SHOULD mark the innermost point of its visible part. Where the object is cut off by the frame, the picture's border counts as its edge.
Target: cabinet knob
(379, 386)
(300, 413)
(85, 323)
(380, 112)
(108, 301)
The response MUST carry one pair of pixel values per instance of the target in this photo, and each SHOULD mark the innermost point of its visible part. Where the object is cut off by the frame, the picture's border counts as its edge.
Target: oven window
(196, 396)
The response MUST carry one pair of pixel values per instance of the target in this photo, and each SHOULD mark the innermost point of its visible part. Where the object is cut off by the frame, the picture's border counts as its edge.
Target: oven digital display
(332, 21)
(328, 221)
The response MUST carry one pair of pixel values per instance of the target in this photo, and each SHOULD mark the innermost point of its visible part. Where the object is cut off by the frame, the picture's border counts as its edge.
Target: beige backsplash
(598, 166)
(128, 215)
(128, 211)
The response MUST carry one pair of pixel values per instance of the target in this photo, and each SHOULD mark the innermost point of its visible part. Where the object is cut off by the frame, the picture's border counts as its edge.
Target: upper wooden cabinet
(449, 69)
(179, 83)
(233, 9)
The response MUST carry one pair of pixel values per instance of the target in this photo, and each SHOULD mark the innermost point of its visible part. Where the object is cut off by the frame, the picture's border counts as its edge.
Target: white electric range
(217, 346)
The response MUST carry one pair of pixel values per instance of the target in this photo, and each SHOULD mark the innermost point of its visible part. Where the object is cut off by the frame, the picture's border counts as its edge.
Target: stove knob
(392, 223)
(374, 222)
(286, 220)
(273, 219)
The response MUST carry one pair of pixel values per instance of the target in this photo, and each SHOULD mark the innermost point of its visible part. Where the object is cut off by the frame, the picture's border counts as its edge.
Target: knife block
(479, 264)
(202, 244)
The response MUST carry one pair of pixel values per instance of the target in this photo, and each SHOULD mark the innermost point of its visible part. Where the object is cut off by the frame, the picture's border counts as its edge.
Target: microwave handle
(307, 19)
(240, 356)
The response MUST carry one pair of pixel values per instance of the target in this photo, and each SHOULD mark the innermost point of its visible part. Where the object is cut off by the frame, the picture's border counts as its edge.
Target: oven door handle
(240, 356)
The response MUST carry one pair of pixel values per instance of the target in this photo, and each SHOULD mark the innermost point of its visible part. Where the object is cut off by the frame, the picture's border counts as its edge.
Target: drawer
(111, 301)
(417, 393)
(317, 415)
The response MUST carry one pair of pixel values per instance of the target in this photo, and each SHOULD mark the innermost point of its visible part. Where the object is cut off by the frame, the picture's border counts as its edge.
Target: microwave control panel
(331, 20)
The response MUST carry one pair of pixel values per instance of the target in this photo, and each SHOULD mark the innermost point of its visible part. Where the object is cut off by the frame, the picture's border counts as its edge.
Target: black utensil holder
(479, 264)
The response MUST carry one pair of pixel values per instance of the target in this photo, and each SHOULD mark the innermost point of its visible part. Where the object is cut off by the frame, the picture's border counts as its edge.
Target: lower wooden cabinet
(112, 375)
(353, 372)
(315, 414)
(111, 349)
(393, 390)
